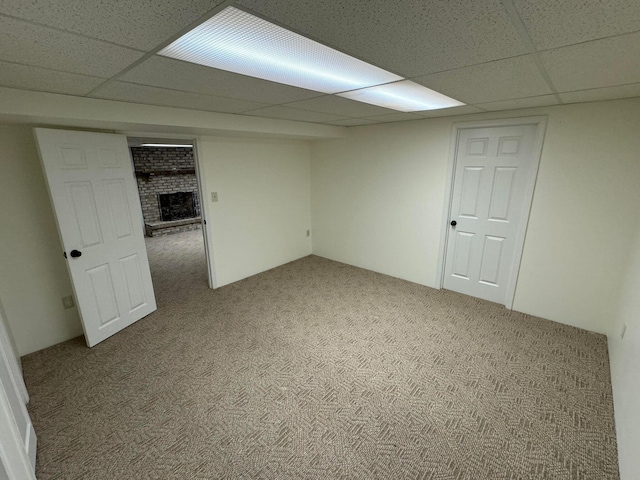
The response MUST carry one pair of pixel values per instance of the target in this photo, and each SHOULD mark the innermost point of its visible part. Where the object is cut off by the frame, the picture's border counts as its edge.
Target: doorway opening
(170, 196)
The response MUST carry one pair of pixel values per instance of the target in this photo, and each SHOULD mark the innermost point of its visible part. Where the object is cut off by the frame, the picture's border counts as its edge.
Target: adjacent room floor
(319, 370)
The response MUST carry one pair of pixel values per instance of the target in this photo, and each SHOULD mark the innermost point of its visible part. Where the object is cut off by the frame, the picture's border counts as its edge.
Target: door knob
(453, 224)
(76, 253)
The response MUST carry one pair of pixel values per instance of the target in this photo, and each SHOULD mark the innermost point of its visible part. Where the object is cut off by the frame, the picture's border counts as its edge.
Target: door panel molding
(14, 459)
(13, 360)
(506, 149)
(18, 440)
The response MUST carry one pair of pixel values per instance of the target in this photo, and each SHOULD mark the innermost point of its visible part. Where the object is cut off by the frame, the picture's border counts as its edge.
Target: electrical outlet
(67, 302)
(214, 196)
(308, 233)
(624, 330)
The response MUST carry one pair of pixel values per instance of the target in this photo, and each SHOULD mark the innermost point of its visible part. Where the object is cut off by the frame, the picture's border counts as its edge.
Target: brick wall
(177, 175)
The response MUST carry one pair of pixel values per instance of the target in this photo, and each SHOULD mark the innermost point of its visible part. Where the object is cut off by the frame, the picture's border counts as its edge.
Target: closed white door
(495, 168)
(93, 192)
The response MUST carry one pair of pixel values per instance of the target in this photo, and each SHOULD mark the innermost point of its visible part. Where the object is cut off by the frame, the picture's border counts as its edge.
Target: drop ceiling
(490, 54)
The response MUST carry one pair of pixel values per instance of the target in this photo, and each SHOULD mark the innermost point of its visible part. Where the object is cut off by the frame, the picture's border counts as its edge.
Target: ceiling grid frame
(598, 71)
(218, 8)
(526, 39)
(63, 30)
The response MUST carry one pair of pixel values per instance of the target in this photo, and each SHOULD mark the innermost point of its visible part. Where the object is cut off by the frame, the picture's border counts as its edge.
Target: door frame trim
(205, 212)
(541, 125)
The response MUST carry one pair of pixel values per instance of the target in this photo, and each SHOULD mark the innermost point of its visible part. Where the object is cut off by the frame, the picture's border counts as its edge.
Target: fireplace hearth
(176, 206)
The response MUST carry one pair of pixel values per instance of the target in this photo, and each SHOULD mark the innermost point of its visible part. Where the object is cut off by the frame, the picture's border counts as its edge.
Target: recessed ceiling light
(166, 145)
(239, 42)
(405, 96)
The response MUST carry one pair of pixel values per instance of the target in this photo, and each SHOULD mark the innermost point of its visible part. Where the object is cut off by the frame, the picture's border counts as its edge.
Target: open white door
(94, 196)
(17, 436)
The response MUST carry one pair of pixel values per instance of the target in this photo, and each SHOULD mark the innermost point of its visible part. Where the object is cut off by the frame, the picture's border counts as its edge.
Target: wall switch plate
(67, 302)
(214, 196)
(624, 330)
(308, 233)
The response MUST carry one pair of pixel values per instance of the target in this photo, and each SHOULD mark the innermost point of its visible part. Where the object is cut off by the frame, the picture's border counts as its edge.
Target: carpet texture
(319, 370)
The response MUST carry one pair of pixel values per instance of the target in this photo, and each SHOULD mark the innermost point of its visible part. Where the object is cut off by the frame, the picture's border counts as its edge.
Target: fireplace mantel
(170, 171)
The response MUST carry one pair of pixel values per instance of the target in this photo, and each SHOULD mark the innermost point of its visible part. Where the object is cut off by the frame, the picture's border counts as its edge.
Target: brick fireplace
(166, 176)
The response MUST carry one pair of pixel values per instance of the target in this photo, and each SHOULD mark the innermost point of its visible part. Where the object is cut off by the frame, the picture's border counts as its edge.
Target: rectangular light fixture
(165, 145)
(405, 96)
(239, 42)
(236, 41)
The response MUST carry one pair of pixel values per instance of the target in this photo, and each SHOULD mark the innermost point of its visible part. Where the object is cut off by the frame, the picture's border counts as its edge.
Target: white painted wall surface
(378, 197)
(263, 209)
(624, 355)
(33, 275)
(584, 215)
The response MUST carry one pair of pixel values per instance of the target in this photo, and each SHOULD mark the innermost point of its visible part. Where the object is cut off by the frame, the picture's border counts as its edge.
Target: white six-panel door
(17, 436)
(494, 171)
(93, 191)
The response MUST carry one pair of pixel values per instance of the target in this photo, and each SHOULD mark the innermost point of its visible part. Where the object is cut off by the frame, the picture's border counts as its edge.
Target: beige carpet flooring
(319, 370)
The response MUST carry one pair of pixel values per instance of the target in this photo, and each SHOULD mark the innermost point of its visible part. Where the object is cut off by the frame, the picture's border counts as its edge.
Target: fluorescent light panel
(239, 42)
(405, 96)
(166, 145)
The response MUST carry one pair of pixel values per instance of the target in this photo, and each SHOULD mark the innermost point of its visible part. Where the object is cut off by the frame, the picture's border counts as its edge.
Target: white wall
(584, 215)
(625, 369)
(378, 197)
(33, 275)
(263, 209)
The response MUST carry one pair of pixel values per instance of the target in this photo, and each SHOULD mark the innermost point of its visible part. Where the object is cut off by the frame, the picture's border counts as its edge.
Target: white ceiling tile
(340, 106)
(129, 92)
(409, 38)
(294, 114)
(165, 72)
(395, 117)
(607, 93)
(142, 25)
(445, 112)
(30, 44)
(601, 63)
(489, 82)
(551, 23)
(44, 80)
(530, 102)
(352, 122)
